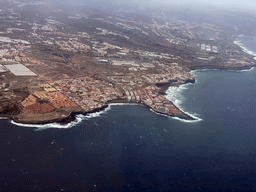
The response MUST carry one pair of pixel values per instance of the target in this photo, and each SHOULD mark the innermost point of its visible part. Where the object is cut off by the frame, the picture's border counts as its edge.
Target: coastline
(244, 49)
(182, 116)
(72, 115)
(164, 87)
(211, 67)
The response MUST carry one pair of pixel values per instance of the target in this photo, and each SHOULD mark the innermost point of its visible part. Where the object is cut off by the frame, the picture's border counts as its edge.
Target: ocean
(131, 148)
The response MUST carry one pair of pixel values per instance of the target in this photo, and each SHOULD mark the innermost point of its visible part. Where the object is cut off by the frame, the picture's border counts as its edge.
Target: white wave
(245, 49)
(123, 104)
(175, 94)
(78, 119)
(190, 114)
(232, 70)
(97, 114)
(202, 70)
(188, 121)
(46, 126)
(4, 118)
(248, 70)
(196, 119)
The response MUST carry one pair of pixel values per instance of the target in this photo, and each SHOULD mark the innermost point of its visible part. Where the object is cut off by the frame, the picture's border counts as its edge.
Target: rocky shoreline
(222, 67)
(71, 116)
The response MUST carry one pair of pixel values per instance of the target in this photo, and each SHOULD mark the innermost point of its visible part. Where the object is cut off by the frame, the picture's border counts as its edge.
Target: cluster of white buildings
(87, 92)
(127, 82)
(209, 48)
(72, 45)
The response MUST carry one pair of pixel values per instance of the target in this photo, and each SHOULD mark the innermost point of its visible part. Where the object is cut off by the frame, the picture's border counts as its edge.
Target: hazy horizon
(193, 4)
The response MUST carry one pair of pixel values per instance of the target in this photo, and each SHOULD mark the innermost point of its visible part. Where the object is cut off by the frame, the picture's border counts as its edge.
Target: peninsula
(63, 62)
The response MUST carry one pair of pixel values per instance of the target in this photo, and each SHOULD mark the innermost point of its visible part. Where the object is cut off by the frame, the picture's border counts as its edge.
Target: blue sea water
(130, 148)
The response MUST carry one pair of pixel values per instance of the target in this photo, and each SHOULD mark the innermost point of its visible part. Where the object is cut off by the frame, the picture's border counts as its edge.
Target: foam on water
(245, 49)
(78, 119)
(175, 94)
(202, 70)
(197, 119)
(248, 70)
(97, 114)
(3, 117)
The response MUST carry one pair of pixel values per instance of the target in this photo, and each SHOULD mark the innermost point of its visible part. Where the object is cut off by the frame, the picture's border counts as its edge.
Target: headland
(53, 69)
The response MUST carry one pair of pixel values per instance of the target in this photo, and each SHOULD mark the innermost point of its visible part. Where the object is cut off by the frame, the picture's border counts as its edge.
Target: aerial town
(52, 66)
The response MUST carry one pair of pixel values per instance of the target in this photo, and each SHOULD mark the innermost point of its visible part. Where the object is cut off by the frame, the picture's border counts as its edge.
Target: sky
(232, 4)
(249, 3)
(224, 3)
(197, 4)
(218, 2)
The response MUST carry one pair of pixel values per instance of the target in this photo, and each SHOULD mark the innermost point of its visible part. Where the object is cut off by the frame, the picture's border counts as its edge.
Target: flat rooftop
(2, 69)
(147, 65)
(116, 62)
(20, 70)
